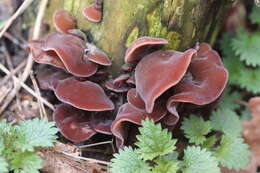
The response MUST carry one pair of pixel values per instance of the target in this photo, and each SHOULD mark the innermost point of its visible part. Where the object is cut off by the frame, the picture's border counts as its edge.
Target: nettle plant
(243, 48)
(213, 143)
(18, 144)
(154, 83)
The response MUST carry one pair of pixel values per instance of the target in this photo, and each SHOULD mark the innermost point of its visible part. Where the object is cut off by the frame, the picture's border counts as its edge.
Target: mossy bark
(182, 22)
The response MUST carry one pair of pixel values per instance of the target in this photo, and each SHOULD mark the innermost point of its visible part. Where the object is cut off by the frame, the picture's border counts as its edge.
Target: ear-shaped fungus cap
(77, 125)
(119, 84)
(97, 56)
(63, 21)
(205, 81)
(159, 71)
(93, 12)
(49, 78)
(141, 47)
(129, 113)
(64, 51)
(84, 95)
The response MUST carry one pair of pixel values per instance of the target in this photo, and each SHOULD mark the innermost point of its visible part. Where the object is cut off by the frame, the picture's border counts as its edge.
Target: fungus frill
(78, 125)
(168, 78)
(93, 12)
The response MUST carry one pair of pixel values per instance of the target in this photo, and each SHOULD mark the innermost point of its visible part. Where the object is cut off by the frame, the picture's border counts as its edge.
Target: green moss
(156, 29)
(132, 36)
(68, 5)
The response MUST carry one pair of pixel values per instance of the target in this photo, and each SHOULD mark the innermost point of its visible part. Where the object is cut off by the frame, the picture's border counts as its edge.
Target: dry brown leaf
(56, 162)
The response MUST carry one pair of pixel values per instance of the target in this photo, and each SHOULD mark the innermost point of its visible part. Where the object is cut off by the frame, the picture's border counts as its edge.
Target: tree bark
(181, 22)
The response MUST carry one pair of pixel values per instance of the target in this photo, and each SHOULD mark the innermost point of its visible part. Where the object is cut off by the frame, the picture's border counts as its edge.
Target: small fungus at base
(93, 12)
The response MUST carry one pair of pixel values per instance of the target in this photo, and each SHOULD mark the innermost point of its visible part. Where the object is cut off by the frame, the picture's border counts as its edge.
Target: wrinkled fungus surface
(154, 83)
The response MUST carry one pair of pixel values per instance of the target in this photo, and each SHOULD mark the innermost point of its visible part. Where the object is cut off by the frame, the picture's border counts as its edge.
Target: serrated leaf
(233, 153)
(255, 15)
(26, 162)
(35, 133)
(245, 115)
(228, 100)
(154, 141)
(197, 160)
(247, 47)
(128, 161)
(195, 129)
(164, 166)
(209, 142)
(3, 165)
(227, 121)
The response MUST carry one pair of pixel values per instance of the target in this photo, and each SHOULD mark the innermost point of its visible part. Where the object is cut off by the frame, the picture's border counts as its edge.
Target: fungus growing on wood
(205, 80)
(93, 12)
(78, 125)
(64, 51)
(141, 47)
(131, 114)
(159, 71)
(63, 21)
(85, 95)
(96, 55)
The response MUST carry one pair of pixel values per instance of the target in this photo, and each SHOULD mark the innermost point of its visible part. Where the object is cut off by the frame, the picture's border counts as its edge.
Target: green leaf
(247, 47)
(233, 153)
(154, 141)
(128, 161)
(209, 142)
(226, 121)
(36, 132)
(3, 165)
(165, 166)
(255, 15)
(2, 23)
(195, 129)
(228, 100)
(245, 115)
(26, 162)
(197, 160)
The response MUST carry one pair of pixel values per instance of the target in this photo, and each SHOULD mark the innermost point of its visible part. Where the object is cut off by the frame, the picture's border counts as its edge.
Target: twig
(36, 33)
(36, 88)
(86, 159)
(17, 69)
(5, 70)
(20, 10)
(95, 144)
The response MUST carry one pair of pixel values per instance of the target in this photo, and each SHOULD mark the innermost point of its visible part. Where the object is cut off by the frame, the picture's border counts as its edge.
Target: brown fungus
(159, 71)
(64, 51)
(131, 114)
(63, 21)
(96, 55)
(141, 47)
(85, 95)
(77, 125)
(205, 80)
(93, 12)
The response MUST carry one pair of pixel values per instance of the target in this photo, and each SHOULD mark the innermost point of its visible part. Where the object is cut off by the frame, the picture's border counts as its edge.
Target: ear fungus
(63, 21)
(85, 95)
(77, 125)
(93, 12)
(205, 81)
(97, 56)
(64, 51)
(141, 47)
(159, 71)
(119, 84)
(131, 114)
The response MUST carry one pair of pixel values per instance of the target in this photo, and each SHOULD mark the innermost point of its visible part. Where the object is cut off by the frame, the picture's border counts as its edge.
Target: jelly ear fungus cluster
(154, 83)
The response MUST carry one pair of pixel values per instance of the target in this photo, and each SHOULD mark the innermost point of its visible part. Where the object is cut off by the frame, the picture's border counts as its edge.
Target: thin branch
(5, 70)
(95, 144)
(20, 10)
(86, 159)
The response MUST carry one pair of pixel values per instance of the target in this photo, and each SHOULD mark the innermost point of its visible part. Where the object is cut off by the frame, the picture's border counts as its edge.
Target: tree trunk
(181, 22)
